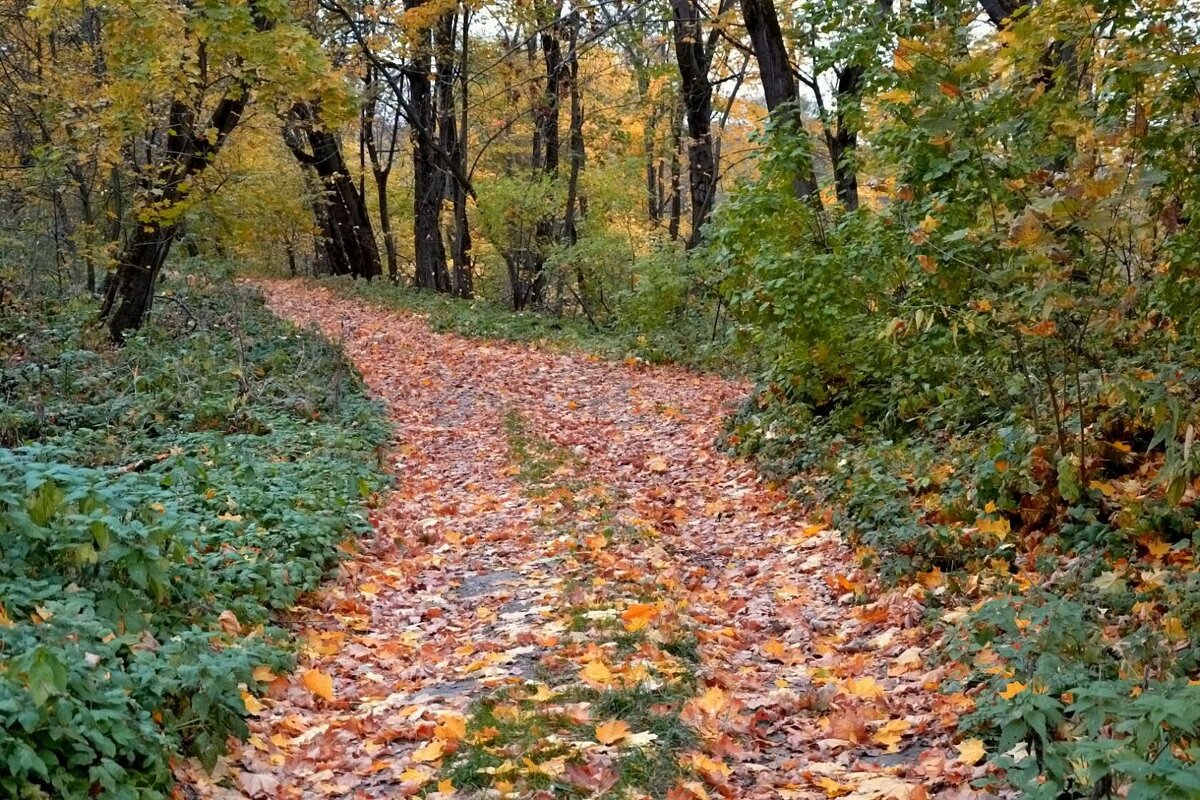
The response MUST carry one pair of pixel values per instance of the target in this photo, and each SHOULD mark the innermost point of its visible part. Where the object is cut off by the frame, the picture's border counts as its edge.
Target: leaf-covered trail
(562, 529)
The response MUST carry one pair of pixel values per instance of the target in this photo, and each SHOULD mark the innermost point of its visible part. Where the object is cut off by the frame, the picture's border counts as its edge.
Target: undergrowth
(653, 324)
(157, 504)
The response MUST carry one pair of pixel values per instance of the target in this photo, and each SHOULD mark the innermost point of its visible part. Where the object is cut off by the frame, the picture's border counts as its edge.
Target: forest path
(565, 547)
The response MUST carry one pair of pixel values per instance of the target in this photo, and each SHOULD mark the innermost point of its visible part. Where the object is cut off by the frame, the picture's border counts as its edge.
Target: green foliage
(991, 371)
(212, 466)
(666, 316)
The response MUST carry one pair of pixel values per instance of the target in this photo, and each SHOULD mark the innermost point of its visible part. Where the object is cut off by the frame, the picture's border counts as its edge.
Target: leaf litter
(564, 527)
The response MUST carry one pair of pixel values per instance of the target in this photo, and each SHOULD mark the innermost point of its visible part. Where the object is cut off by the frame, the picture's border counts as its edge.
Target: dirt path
(566, 549)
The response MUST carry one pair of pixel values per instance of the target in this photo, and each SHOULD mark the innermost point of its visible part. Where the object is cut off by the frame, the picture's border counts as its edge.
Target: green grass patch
(211, 466)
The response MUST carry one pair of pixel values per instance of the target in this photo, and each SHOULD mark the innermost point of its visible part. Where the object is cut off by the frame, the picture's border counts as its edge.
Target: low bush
(157, 504)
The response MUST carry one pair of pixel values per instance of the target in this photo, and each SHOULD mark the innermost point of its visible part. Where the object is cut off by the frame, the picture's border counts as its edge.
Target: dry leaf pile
(631, 535)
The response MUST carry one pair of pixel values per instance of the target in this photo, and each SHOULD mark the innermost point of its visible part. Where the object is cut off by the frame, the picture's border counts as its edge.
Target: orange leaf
(712, 702)
(318, 683)
(638, 616)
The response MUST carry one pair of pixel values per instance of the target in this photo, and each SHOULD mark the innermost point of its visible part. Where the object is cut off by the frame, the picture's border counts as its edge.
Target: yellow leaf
(1173, 628)
(901, 96)
(252, 704)
(1158, 548)
(596, 675)
(657, 464)
(832, 788)
(891, 733)
(970, 751)
(430, 752)
(1000, 528)
(263, 674)
(446, 786)
(453, 727)
(867, 688)
(638, 616)
(775, 649)
(612, 731)
(542, 694)
(318, 683)
(1013, 689)
(1106, 489)
(712, 701)
(369, 588)
(417, 776)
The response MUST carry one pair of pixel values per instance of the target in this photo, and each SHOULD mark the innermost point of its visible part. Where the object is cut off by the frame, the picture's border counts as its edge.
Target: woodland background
(954, 244)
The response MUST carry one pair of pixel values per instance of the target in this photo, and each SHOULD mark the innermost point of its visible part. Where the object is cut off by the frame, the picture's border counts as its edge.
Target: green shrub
(212, 466)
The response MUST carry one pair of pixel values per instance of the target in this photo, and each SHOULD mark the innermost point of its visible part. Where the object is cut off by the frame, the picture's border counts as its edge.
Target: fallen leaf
(318, 683)
(970, 751)
(431, 751)
(612, 731)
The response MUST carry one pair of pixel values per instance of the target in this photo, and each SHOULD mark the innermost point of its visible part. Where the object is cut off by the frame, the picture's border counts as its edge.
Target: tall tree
(694, 58)
(780, 87)
(348, 236)
(222, 44)
(428, 248)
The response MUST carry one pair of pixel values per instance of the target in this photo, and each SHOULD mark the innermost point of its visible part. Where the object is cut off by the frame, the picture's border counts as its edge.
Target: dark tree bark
(780, 86)
(452, 138)
(693, 59)
(676, 176)
(130, 292)
(998, 11)
(429, 250)
(575, 143)
(381, 165)
(843, 140)
(349, 239)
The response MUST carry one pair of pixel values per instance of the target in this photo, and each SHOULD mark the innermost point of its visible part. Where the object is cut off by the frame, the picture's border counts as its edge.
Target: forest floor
(573, 592)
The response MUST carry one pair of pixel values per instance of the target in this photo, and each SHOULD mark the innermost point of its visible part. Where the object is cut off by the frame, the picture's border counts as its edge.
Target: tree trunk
(381, 167)
(453, 144)
(780, 87)
(697, 102)
(843, 142)
(191, 149)
(575, 141)
(428, 248)
(676, 177)
(349, 238)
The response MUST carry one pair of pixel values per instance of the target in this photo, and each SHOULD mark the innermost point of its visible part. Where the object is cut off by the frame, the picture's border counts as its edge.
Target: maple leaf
(596, 675)
(612, 731)
(970, 751)
(1013, 689)
(638, 616)
(318, 683)
(431, 751)
(453, 727)
(891, 733)
(866, 688)
(657, 464)
(712, 702)
(596, 776)
(252, 703)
